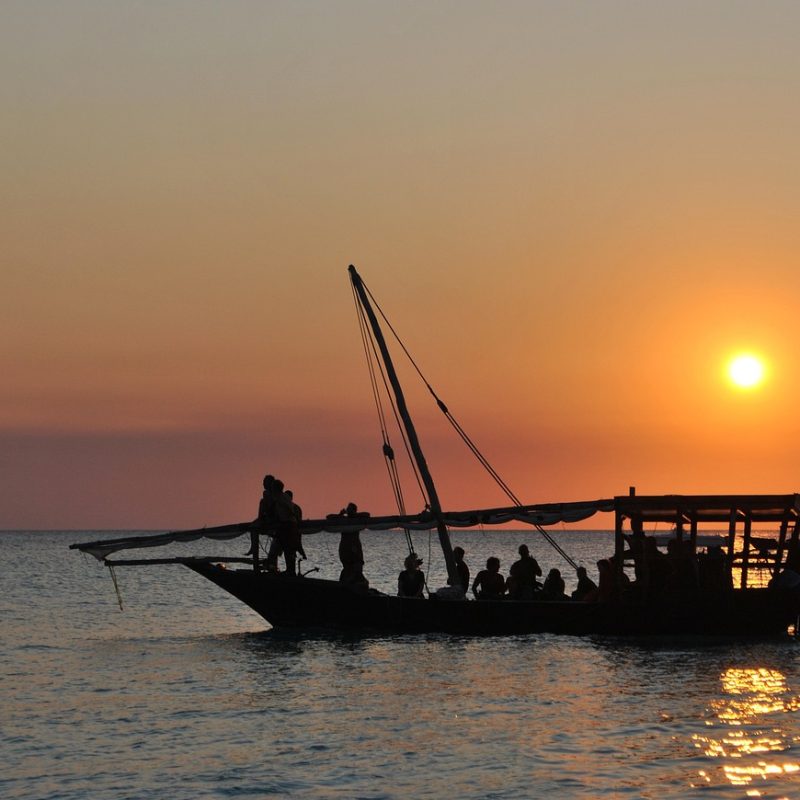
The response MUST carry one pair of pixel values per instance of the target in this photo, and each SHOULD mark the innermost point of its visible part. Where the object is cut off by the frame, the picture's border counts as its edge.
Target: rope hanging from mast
(466, 438)
(372, 360)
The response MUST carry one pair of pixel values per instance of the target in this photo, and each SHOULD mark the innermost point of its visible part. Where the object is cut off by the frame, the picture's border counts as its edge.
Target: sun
(746, 371)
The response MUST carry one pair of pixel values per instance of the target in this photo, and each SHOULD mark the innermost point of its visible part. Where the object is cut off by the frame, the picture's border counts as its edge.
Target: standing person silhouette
(264, 519)
(298, 516)
(287, 529)
(489, 584)
(351, 553)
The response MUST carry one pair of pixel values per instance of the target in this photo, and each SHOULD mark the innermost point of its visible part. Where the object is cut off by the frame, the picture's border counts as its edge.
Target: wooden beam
(140, 562)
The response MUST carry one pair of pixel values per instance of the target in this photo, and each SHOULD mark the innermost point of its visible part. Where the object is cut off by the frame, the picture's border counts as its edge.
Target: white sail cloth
(543, 514)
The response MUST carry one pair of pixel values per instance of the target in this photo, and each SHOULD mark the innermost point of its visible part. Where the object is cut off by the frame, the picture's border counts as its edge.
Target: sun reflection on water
(753, 744)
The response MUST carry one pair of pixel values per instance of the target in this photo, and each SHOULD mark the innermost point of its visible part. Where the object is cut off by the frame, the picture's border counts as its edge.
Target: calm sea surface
(186, 694)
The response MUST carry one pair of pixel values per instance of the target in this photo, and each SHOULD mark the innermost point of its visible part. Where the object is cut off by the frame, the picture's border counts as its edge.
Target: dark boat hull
(294, 603)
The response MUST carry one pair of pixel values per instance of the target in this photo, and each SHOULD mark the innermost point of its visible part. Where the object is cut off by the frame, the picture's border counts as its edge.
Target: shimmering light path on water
(184, 695)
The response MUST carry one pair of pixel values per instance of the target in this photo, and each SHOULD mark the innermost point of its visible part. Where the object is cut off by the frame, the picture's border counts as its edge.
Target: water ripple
(186, 696)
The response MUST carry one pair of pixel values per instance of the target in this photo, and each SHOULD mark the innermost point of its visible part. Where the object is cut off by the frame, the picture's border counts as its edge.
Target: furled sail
(542, 514)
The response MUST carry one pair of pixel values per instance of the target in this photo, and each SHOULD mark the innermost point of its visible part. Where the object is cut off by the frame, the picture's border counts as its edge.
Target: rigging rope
(466, 438)
(372, 359)
(400, 427)
(116, 585)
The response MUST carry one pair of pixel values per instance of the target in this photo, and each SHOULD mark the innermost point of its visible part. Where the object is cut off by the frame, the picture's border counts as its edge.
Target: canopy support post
(748, 527)
(781, 544)
(619, 547)
(731, 544)
(792, 554)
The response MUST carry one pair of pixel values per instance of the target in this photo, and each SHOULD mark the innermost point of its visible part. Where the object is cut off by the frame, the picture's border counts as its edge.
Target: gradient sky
(574, 213)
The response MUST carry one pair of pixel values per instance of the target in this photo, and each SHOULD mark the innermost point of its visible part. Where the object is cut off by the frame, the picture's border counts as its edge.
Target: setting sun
(746, 371)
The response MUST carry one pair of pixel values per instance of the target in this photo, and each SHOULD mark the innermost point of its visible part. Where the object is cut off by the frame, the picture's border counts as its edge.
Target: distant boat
(682, 592)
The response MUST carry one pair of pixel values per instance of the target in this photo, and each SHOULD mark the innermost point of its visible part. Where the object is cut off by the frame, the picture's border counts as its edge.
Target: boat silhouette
(744, 585)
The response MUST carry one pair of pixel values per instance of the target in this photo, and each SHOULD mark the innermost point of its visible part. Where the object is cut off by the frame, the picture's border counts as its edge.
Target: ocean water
(187, 694)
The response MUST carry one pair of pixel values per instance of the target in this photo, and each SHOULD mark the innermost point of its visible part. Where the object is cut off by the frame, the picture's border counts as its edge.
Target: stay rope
(466, 438)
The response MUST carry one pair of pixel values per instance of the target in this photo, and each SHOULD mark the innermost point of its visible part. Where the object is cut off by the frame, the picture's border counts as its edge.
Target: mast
(413, 441)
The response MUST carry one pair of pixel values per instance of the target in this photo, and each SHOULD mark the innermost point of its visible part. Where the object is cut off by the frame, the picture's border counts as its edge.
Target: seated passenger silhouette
(489, 584)
(713, 575)
(683, 578)
(657, 565)
(411, 581)
(585, 585)
(607, 589)
(463, 569)
(522, 576)
(553, 588)
(636, 545)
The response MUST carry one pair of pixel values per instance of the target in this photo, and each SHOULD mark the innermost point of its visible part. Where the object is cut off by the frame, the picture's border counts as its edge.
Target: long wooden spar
(413, 440)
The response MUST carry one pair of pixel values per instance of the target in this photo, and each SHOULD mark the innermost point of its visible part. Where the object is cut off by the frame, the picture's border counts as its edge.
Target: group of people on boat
(523, 584)
(678, 572)
(490, 584)
(279, 514)
(681, 572)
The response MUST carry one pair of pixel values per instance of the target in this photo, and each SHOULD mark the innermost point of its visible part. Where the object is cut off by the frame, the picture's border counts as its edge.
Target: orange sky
(573, 213)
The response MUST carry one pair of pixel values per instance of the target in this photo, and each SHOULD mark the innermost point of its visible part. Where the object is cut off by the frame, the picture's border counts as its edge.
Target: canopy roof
(717, 508)
(541, 514)
(671, 508)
